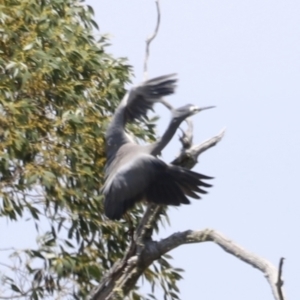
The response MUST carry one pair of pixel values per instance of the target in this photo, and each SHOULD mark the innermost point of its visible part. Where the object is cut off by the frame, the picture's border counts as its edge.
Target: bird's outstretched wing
(149, 178)
(135, 106)
(141, 98)
(128, 184)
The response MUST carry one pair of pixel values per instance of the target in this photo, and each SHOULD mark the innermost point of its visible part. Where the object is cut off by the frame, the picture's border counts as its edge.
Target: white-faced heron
(133, 172)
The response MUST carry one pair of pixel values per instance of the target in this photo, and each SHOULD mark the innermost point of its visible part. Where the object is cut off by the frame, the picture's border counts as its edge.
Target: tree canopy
(58, 88)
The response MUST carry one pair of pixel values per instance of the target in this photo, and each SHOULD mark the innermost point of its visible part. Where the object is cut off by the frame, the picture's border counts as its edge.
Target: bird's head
(189, 110)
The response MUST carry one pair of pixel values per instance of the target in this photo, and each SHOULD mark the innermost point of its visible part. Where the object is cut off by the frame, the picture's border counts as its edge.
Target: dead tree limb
(188, 157)
(150, 39)
(208, 235)
(152, 250)
(279, 282)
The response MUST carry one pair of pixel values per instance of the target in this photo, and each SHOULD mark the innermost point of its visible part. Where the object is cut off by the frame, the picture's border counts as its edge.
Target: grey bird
(133, 172)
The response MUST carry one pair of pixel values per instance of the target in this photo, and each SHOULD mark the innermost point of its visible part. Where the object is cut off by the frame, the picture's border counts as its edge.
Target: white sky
(243, 57)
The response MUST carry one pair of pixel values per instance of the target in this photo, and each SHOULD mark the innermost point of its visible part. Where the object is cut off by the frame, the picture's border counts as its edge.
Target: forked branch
(188, 157)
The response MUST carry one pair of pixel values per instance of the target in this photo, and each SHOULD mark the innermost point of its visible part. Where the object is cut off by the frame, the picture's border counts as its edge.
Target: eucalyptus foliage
(58, 89)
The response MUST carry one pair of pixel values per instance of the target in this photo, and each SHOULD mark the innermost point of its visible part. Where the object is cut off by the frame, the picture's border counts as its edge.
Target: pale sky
(243, 57)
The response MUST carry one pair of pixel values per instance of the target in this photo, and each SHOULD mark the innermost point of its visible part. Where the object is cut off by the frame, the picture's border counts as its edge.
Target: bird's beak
(204, 108)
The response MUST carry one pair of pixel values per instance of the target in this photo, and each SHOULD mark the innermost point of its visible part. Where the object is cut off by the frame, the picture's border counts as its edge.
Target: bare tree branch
(152, 250)
(187, 136)
(209, 235)
(146, 222)
(7, 249)
(188, 157)
(166, 104)
(279, 282)
(150, 39)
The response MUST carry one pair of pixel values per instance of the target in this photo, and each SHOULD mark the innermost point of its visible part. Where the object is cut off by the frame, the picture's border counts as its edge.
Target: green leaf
(15, 288)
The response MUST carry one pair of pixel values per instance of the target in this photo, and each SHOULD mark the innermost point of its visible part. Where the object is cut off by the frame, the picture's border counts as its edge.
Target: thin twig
(166, 104)
(150, 39)
(279, 283)
(7, 249)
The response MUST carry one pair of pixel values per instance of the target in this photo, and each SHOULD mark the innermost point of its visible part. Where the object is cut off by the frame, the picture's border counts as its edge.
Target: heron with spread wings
(133, 172)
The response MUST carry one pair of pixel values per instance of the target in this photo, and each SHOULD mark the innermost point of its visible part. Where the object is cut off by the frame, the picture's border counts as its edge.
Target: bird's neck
(159, 145)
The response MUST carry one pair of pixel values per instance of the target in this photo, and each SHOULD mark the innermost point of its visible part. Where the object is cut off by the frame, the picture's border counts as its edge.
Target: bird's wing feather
(172, 186)
(134, 106)
(142, 97)
(147, 177)
(129, 183)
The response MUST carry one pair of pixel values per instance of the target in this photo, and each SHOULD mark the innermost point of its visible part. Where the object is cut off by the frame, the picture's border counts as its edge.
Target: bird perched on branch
(133, 172)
